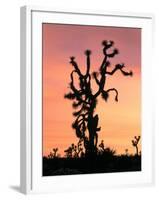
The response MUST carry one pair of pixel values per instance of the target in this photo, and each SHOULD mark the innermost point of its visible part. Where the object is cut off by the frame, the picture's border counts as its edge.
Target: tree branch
(95, 74)
(115, 52)
(130, 73)
(115, 90)
(74, 64)
(120, 67)
(76, 92)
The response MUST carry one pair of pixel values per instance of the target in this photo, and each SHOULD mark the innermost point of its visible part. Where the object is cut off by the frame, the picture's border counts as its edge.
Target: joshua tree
(135, 144)
(126, 152)
(105, 151)
(74, 150)
(53, 154)
(86, 122)
(69, 151)
(101, 146)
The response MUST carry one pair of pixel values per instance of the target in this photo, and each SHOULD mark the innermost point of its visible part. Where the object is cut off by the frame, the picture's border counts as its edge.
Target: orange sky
(120, 122)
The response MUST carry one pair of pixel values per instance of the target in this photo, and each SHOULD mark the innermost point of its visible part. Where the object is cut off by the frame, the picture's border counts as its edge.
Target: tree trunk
(92, 134)
(137, 151)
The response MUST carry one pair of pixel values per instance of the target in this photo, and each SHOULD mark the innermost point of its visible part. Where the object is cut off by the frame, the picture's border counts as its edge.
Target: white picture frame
(31, 73)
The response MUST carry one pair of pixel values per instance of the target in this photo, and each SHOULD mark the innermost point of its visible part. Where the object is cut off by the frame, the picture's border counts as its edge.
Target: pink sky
(120, 121)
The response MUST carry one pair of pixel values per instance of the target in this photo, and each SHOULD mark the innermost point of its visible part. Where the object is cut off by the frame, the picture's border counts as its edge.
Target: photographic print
(91, 99)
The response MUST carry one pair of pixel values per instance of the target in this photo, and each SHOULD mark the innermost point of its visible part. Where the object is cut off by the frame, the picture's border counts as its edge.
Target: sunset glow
(120, 121)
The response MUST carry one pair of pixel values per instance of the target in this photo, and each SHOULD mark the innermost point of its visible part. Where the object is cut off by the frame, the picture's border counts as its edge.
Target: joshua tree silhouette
(105, 151)
(53, 154)
(86, 122)
(74, 150)
(126, 152)
(135, 144)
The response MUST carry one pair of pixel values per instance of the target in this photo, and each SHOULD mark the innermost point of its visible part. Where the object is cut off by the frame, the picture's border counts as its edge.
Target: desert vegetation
(89, 155)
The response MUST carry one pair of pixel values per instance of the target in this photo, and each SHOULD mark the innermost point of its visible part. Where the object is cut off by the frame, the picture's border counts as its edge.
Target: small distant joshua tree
(101, 145)
(135, 143)
(74, 150)
(53, 154)
(126, 152)
(69, 151)
(86, 122)
(107, 151)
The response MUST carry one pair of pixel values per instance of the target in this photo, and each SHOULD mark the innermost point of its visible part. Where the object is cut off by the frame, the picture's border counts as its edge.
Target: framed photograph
(86, 100)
